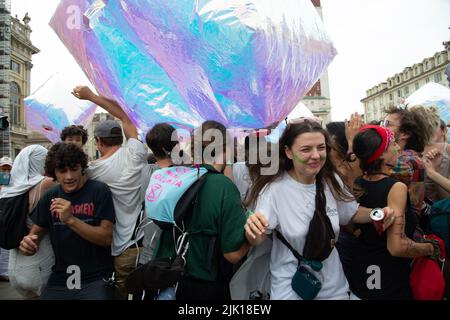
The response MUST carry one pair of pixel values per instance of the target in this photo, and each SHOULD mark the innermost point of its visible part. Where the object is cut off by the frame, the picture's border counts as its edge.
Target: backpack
(439, 221)
(13, 218)
(176, 189)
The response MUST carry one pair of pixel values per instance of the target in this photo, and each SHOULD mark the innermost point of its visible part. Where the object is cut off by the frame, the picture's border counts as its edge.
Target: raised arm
(84, 93)
(431, 161)
(398, 244)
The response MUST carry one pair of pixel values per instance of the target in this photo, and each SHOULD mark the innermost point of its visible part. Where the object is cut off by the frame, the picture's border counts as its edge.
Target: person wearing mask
(390, 251)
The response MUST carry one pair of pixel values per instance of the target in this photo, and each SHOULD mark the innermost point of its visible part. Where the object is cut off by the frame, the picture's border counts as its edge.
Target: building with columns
(16, 77)
(318, 98)
(401, 85)
(22, 51)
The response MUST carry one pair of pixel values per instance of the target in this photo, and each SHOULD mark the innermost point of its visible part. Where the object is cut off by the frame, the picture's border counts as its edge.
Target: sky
(375, 39)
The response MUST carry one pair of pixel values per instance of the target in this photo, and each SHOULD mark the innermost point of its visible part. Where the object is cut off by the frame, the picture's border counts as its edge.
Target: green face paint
(395, 151)
(301, 161)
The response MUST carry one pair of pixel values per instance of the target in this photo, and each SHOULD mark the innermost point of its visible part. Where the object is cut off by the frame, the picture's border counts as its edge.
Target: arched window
(14, 103)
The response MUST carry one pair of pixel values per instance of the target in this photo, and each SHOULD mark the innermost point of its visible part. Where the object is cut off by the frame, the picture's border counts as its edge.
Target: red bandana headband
(387, 137)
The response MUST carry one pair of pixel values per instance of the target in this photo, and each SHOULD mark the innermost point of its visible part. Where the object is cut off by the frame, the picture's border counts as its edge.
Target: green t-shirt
(218, 212)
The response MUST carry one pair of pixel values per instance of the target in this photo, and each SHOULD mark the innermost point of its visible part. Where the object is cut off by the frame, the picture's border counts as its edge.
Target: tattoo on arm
(410, 248)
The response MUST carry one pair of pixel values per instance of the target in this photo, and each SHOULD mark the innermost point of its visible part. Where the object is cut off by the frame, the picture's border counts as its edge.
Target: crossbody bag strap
(287, 244)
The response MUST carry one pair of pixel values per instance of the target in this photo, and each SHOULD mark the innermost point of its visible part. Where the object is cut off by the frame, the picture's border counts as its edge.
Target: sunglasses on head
(304, 119)
(387, 123)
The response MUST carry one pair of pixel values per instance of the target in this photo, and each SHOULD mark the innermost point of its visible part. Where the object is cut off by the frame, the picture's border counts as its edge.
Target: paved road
(7, 292)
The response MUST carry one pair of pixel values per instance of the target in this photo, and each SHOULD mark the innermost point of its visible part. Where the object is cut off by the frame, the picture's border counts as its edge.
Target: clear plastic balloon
(51, 108)
(244, 63)
(432, 95)
(300, 111)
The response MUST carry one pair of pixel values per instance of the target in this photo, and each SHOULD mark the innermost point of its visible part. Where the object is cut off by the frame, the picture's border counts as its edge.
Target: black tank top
(372, 257)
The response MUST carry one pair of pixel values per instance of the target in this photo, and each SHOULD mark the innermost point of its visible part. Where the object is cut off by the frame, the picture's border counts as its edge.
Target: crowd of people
(251, 235)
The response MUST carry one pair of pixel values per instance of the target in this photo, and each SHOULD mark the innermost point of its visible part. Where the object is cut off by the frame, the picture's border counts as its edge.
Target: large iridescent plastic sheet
(244, 63)
(52, 107)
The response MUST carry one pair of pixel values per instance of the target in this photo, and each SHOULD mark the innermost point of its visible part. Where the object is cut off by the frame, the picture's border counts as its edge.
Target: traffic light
(4, 124)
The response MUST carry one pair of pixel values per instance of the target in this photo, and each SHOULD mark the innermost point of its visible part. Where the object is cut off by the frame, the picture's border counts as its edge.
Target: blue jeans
(96, 290)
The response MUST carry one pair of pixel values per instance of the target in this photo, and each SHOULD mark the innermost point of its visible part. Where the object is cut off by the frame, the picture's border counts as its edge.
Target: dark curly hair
(74, 131)
(413, 124)
(64, 155)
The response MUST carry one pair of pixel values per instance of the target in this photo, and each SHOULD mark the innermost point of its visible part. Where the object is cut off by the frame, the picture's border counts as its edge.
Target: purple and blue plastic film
(51, 108)
(243, 63)
(432, 95)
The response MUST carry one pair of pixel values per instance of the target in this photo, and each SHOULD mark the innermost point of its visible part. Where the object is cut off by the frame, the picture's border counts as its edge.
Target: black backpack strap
(287, 244)
(137, 226)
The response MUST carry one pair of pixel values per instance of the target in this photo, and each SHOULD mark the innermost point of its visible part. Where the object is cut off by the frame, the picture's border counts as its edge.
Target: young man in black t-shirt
(79, 215)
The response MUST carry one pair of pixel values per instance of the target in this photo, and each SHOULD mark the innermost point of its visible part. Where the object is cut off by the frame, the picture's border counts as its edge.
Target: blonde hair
(429, 115)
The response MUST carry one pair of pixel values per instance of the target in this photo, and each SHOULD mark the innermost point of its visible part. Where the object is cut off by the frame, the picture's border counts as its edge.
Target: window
(15, 66)
(427, 80)
(427, 65)
(406, 91)
(416, 71)
(391, 97)
(438, 77)
(14, 103)
(416, 85)
(399, 93)
(439, 59)
(398, 79)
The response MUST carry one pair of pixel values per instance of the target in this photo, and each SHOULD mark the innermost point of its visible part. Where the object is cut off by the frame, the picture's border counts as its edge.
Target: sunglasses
(304, 119)
(387, 123)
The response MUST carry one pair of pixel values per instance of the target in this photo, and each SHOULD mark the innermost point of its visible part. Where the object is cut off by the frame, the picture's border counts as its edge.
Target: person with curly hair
(79, 215)
(74, 134)
(412, 134)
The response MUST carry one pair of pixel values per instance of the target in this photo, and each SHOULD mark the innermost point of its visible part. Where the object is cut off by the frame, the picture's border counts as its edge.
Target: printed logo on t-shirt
(331, 212)
(83, 209)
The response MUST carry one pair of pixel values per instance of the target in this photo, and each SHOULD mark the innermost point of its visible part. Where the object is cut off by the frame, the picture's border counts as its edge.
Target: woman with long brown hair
(305, 187)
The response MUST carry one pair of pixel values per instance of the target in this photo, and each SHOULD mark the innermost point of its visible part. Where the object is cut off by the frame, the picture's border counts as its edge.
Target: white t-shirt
(122, 172)
(241, 178)
(289, 208)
